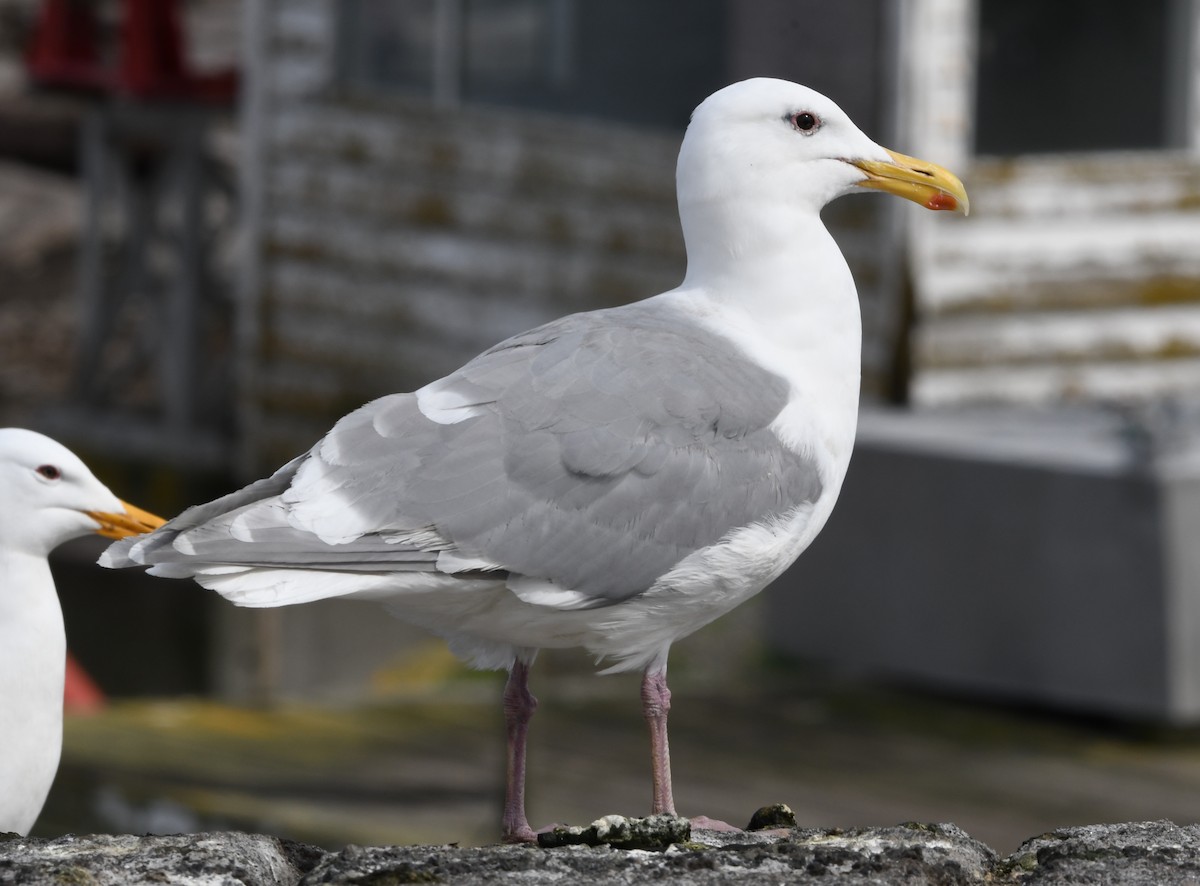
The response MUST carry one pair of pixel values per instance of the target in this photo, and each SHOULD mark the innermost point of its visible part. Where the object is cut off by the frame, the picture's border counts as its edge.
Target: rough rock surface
(942, 854)
(181, 860)
(656, 832)
(1159, 853)
(1150, 852)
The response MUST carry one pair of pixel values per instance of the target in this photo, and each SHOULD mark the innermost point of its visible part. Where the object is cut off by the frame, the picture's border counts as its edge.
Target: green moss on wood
(431, 211)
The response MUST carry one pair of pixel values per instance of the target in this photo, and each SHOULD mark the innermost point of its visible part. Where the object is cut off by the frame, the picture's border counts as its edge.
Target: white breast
(32, 661)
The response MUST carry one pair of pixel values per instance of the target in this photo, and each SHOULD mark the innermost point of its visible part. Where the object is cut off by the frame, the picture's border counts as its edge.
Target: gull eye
(50, 472)
(805, 121)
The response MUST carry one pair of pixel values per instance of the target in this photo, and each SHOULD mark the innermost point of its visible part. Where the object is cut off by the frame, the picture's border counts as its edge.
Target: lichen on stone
(777, 815)
(655, 832)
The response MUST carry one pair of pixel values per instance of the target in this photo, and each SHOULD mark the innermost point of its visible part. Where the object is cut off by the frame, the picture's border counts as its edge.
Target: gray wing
(593, 453)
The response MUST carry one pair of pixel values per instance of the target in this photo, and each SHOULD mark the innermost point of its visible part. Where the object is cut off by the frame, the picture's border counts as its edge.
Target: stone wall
(1150, 853)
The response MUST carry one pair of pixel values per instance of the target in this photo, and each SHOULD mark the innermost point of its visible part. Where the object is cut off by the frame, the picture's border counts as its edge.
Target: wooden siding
(1075, 277)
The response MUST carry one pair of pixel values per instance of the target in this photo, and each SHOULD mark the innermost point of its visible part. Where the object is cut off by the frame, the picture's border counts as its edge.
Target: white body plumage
(47, 497)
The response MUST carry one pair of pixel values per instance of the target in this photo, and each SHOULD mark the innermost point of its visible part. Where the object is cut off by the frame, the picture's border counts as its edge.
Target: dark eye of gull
(806, 122)
(50, 472)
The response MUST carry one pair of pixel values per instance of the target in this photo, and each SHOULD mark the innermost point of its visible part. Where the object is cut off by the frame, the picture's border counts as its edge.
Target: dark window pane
(1071, 75)
(507, 47)
(517, 51)
(624, 59)
(649, 62)
(388, 44)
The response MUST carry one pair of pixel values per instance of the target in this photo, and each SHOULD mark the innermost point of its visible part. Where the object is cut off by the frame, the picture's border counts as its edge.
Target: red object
(64, 51)
(81, 695)
(154, 60)
(151, 58)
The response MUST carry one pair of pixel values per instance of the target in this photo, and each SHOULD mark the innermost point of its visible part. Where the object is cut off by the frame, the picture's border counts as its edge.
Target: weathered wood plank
(1049, 384)
(1067, 337)
(483, 207)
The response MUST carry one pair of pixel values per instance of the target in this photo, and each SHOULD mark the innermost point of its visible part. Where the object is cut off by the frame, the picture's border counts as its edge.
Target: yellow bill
(925, 183)
(134, 521)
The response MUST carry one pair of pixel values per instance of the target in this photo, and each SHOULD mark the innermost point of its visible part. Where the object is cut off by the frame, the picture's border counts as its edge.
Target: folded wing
(579, 462)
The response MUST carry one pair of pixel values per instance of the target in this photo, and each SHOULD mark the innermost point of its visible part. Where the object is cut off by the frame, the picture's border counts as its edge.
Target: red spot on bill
(942, 201)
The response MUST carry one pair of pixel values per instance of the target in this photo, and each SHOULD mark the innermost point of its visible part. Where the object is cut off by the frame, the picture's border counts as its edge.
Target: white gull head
(770, 140)
(763, 156)
(48, 493)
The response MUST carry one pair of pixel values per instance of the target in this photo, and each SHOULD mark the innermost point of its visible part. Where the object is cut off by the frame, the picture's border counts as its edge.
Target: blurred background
(225, 224)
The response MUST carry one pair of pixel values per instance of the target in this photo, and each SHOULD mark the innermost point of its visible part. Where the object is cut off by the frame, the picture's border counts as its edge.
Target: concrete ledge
(1039, 557)
(1158, 853)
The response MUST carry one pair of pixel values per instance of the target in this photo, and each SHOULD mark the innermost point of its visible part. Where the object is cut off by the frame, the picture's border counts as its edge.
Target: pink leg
(656, 702)
(519, 705)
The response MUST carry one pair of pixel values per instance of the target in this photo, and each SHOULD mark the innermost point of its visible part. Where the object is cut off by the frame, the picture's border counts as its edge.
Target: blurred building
(421, 178)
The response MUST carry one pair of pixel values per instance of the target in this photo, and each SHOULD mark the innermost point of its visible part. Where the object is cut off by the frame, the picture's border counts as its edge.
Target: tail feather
(247, 547)
(144, 550)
